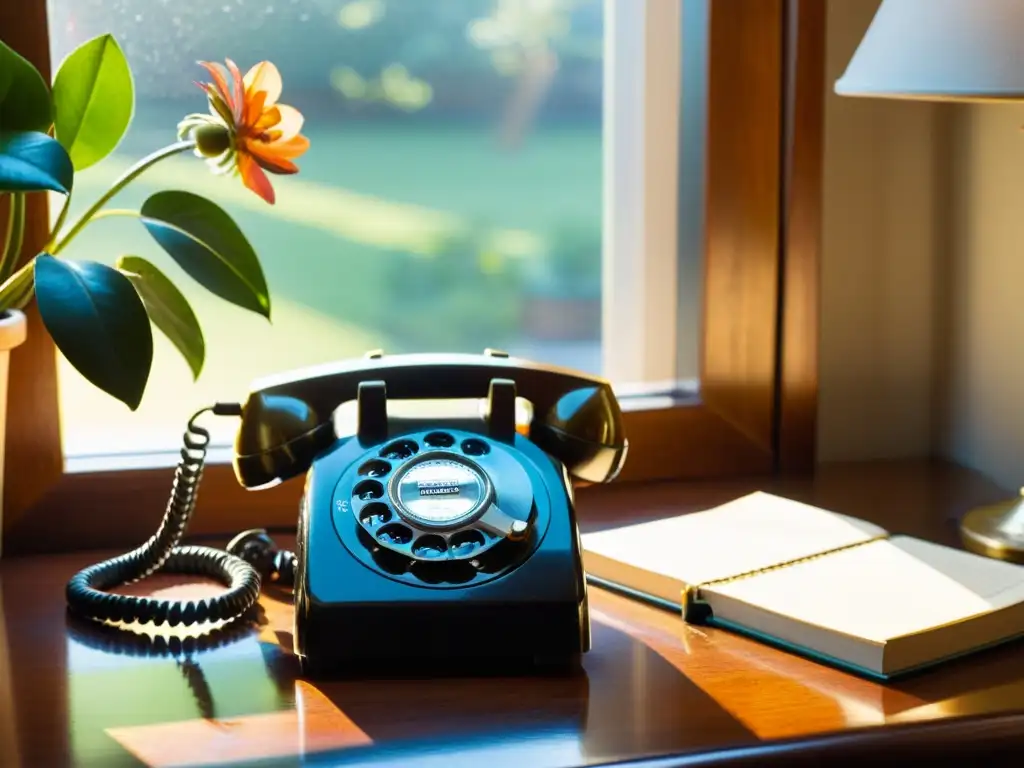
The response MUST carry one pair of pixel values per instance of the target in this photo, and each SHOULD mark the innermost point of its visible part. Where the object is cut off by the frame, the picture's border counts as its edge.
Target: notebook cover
(707, 618)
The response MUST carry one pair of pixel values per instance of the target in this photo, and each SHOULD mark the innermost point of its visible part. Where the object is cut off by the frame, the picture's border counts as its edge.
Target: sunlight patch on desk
(803, 685)
(984, 700)
(315, 725)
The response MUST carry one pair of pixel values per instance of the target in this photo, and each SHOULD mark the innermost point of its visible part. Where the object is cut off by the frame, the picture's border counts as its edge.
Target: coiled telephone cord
(249, 558)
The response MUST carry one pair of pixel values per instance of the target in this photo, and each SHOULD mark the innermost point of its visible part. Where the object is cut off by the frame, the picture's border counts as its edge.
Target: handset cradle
(460, 534)
(287, 419)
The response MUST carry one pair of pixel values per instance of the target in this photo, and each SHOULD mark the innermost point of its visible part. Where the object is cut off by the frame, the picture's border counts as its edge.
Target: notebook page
(883, 590)
(753, 532)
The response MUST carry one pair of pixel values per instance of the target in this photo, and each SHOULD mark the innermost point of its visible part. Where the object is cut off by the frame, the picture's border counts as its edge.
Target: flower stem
(108, 212)
(62, 216)
(14, 235)
(121, 183)
(17, 289)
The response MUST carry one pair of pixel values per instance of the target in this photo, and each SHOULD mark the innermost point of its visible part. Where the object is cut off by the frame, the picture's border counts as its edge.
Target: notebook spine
(696, 610)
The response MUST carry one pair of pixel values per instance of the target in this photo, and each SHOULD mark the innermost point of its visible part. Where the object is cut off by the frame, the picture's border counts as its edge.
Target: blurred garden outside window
(453, 197)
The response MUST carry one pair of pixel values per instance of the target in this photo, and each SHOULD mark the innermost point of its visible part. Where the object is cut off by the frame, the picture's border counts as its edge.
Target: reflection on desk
(651, 685)
(241, 701)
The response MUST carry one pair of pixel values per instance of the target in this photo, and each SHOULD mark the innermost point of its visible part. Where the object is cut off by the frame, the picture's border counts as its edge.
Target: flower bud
(211, 139)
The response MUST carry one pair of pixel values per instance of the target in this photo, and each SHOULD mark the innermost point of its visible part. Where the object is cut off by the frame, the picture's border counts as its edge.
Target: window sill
(917, 497)
(923, 498)
(632, 399)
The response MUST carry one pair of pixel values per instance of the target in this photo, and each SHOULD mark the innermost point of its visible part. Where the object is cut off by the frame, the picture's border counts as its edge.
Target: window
(450, 199)
(594, 183)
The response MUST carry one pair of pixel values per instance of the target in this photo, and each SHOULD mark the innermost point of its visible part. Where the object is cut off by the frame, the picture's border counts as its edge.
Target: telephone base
(326, 668)
(365, 603)
(440, 639)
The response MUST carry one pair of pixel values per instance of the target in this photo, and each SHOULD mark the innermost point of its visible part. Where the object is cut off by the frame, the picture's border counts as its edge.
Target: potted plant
(100, 317)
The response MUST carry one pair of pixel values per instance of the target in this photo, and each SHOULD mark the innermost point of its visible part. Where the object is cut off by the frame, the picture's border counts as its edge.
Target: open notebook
(823, 584)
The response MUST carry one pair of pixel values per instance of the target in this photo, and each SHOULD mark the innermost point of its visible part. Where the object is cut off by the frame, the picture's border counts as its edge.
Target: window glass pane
(450, 198)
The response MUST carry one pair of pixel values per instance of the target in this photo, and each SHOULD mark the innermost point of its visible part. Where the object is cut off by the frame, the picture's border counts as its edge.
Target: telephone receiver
(430, 537)
(288, 420)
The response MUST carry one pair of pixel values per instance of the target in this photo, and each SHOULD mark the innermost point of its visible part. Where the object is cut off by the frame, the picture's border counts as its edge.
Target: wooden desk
(652, 684)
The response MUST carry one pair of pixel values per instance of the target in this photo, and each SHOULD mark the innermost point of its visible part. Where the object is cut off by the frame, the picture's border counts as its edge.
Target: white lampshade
(941, 50)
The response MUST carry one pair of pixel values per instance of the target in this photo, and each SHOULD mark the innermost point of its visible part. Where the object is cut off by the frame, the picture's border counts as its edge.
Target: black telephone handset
(436, 536)
(287, 420)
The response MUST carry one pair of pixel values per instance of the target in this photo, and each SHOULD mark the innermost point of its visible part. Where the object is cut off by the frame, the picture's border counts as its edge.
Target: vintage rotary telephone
(428, 537)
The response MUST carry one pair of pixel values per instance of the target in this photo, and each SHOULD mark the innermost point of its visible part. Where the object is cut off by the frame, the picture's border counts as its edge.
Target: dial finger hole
(439, 440)
(475, 447)
(390, 561)
(368, 490)
(394, 533)
(429, 547)
(399, 450)
(465, 543)
(375, 468)
(374, 514)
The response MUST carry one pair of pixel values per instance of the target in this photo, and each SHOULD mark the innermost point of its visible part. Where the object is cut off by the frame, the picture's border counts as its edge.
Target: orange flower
(247, 132)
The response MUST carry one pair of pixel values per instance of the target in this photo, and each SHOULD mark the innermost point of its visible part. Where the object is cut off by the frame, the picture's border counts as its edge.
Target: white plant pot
(13, 328)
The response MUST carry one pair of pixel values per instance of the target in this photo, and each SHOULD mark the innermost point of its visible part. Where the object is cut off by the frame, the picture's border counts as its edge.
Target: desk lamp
(957, 51)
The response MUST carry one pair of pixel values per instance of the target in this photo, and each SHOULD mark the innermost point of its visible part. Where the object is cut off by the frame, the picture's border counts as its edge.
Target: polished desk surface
(651, 685)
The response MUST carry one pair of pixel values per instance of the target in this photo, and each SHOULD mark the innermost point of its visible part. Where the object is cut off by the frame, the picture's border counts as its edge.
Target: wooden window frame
(755, 414)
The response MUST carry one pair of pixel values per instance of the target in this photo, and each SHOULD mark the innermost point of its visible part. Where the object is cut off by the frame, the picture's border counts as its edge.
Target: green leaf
(98, 322)
(32, 162)
(24, 97)
(203, 239)
(93, 100)
(168, 309)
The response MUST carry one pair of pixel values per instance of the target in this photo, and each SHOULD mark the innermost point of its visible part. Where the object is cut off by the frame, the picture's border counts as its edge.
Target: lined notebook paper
(830, 586)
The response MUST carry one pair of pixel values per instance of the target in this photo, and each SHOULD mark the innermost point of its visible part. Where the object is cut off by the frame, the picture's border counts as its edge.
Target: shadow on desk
(987, 740)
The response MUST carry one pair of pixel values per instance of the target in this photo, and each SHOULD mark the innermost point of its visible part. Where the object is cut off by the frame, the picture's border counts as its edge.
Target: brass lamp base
(996, 530)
